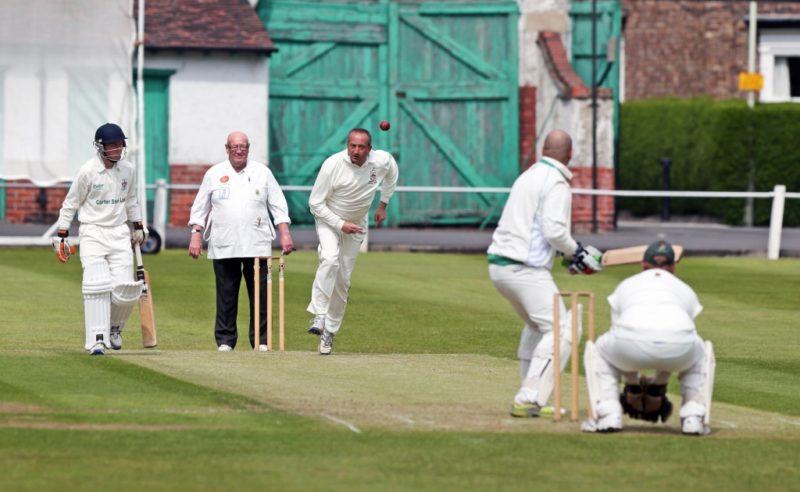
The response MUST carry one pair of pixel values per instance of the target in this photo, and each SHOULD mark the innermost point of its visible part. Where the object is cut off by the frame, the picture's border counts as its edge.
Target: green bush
(711, 144)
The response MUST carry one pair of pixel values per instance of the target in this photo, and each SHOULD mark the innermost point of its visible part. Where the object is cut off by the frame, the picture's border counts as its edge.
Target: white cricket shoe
(693, 425)
(317, 325)
(610, 423)
(98, 349)
(325, 343)
(115, 338)
(224, 348)
(262, 348)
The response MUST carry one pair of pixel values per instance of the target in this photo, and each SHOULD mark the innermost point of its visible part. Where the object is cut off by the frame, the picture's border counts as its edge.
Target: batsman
(534, 226)
(652, 327)
(104, 197)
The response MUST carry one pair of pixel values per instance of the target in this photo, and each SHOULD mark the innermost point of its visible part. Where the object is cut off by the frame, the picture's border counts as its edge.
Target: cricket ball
(385, 125)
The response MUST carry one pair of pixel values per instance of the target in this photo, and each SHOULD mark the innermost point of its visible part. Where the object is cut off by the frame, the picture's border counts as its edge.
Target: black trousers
(229, 273)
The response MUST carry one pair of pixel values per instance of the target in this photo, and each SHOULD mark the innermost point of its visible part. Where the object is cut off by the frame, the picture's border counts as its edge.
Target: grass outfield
(415, 397)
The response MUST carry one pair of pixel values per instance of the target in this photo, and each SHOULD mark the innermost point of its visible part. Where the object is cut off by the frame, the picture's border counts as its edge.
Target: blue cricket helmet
(108, 134)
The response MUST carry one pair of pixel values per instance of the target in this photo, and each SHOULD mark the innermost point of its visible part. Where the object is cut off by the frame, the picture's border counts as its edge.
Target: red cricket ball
(385, 125)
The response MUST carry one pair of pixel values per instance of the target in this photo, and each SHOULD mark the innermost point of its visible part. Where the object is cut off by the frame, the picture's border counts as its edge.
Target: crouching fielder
(104, 197)
(652, 327)
(535, 224)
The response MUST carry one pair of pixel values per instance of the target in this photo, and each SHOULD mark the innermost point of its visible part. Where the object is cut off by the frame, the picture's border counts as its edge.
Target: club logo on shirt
(224, 179)
(373, 177)
(124, 184)
(97, 186)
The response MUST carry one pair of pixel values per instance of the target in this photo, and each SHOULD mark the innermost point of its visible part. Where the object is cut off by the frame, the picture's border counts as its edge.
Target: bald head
(558, 145)
(236, 138)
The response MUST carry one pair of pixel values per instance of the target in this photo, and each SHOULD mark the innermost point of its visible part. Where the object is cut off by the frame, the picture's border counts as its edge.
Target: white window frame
(775, 43)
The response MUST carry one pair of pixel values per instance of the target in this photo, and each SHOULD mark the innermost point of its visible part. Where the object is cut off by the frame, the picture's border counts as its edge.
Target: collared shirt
(536, 219)
(344, 191)
(238, 207)
(100, 196)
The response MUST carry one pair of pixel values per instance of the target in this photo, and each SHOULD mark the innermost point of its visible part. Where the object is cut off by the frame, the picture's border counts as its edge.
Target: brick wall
(181, 200)
(22, 204)
(688, 48)
(527, 126)
(582, 204)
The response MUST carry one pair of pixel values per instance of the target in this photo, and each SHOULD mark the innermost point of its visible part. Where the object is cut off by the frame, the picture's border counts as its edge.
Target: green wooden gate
(444, 74)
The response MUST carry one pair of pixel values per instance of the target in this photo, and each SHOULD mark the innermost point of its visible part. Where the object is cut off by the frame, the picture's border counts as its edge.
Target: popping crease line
(342, 422)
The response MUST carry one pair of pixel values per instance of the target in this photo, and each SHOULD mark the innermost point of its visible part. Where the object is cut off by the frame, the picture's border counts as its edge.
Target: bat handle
(138, 251)
(140, 267)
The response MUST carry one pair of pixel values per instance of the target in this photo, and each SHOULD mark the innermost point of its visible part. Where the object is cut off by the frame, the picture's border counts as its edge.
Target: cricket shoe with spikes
(98, 349)
(115, 338)
(317, 325)
(525, 410)
(325, 343)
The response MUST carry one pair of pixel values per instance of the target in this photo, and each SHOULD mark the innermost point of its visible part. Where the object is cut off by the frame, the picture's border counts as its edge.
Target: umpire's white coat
(238, 208)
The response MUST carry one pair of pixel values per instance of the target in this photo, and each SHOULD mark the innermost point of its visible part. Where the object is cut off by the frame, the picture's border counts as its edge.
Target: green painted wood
(290, 67)
(459, 51)
(156, 130)
(444, 74)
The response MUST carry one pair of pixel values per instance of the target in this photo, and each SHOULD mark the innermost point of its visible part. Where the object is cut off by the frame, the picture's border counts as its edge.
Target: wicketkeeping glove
(140, 233)
(62, 247)
(586, 260)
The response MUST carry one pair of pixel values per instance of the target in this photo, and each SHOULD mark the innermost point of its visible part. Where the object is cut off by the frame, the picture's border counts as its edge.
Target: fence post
(160, 211)
(666, 163)
(776, 222)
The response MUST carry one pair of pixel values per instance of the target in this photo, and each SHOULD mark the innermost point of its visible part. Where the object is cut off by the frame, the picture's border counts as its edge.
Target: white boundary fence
(778, 196)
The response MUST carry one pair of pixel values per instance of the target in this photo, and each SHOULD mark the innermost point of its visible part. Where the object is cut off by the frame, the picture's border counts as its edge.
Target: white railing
(778, 196)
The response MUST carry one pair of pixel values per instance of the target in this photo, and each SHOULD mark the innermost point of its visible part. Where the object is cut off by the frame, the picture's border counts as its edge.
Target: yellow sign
(751, 81)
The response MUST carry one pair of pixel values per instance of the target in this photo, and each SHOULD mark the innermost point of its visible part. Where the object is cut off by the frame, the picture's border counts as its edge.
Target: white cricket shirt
(654, 305)
(536, 219)
(100, 196)
(343, 192)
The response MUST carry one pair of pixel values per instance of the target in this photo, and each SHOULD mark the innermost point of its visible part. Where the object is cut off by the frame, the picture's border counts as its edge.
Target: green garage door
(444, 74)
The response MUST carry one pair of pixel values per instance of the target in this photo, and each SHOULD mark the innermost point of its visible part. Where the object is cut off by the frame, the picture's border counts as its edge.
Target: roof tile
(229, 25)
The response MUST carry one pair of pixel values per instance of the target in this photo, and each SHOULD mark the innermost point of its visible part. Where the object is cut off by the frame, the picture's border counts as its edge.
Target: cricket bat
(634, 254)
(146, 314)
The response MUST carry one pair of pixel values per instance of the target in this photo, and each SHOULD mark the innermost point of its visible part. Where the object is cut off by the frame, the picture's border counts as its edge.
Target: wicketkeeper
(652, 327)
(534, 226)
(104, 196)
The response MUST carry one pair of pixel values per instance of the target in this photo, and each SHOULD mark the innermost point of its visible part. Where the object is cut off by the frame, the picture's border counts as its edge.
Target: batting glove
(140, 233)
(586, 260)
(62, 247)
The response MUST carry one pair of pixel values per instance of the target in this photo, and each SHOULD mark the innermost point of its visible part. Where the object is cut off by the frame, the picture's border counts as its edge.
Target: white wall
(211, 95)
(573, 115)
(535, 16)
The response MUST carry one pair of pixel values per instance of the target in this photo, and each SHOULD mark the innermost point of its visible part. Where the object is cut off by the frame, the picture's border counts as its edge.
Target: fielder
(535, 224)
(652, 327)
(340, 200)
(104, 196)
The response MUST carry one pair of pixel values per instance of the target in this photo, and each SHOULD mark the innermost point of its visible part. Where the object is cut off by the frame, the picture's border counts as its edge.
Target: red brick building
(692, 48)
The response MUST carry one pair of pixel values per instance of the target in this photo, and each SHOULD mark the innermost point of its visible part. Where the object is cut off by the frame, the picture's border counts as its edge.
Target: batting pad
(590, 367)
(123, 298)
(96, 303)
(709, 369)
(545, 352)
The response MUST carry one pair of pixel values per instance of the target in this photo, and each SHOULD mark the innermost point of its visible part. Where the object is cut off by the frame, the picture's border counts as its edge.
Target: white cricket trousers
(530, 292)
(109, 245)
(624, 358)
(337, 258)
